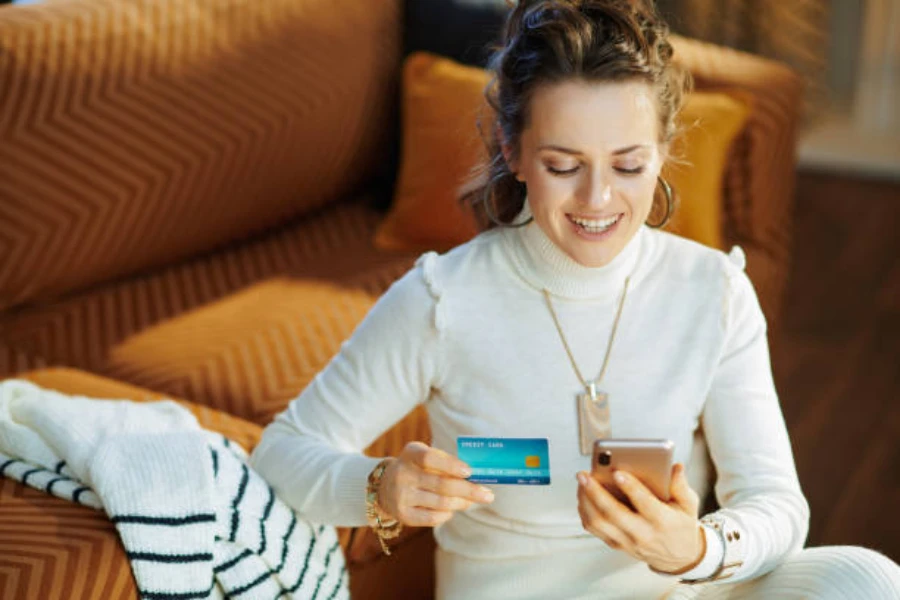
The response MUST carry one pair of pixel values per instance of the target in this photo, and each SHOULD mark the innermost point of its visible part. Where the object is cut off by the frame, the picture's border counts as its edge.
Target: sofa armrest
(760, 176)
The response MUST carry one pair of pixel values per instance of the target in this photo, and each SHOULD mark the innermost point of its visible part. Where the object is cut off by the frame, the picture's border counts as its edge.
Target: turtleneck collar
(546, 266)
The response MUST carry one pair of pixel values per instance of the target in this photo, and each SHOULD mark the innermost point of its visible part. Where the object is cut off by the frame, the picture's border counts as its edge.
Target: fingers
(444, 474)
(432, 501)
(612, 510)
(643, 500)
(595, 522)
(435, 460)
(423, 517)
(446, 486)
(682, 493)
(416, 502)
(427, 486)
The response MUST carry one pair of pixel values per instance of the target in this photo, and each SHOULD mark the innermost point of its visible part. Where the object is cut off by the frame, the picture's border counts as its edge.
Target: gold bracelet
(384, 530)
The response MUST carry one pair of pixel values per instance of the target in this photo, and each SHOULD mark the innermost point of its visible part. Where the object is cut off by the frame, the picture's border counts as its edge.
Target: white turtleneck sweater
(468, 334)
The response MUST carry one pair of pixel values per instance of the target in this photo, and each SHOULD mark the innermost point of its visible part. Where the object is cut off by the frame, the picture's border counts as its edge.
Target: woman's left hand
(665, 535)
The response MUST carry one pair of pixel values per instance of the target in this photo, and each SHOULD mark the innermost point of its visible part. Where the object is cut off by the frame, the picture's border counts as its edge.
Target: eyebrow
(565, 150)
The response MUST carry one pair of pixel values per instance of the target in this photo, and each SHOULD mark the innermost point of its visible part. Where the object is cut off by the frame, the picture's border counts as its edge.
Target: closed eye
(634, 171)
(563, 172)
(573, 170)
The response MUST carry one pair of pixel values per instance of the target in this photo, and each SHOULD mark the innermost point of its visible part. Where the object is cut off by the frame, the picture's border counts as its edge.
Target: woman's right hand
(424, 486)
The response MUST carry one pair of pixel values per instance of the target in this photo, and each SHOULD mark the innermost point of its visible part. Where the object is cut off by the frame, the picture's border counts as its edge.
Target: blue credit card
(517, 461)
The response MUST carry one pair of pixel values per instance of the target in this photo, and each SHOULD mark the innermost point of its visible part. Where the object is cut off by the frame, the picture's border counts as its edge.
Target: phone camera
(605, 458)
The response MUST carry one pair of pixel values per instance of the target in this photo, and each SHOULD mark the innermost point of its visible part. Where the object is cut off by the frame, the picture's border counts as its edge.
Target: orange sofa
(187, 207)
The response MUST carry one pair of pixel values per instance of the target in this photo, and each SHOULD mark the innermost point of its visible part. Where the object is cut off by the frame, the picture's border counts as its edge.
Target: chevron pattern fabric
(268, 352)
(305, 288)
(331, 247)
(53, 549)
(250, 353)
(134, 133)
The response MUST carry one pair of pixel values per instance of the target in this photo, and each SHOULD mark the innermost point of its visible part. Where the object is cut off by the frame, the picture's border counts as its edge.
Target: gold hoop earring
(488, 211)
(670, 203)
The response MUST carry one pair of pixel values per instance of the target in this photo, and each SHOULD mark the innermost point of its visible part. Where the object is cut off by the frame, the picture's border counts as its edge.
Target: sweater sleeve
(311, 453)
(764, 516)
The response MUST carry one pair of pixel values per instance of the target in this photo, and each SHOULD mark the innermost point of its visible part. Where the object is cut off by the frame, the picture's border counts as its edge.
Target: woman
(499, 337)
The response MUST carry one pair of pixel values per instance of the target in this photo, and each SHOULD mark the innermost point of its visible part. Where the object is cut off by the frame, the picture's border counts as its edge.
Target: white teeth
(596, 226)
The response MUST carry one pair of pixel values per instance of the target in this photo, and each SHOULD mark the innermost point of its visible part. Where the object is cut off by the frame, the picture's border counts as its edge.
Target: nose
(598, 192)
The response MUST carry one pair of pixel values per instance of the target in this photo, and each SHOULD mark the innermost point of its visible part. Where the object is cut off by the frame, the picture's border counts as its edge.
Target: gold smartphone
(650, 460)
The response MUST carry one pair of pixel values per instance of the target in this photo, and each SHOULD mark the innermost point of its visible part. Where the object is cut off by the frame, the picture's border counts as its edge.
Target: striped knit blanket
(195, 521)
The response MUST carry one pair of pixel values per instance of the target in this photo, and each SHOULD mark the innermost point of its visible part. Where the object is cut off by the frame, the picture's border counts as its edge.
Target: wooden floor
(837, 359)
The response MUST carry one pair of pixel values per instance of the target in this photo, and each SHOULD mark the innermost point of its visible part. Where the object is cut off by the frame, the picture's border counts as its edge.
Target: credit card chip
(533, 462)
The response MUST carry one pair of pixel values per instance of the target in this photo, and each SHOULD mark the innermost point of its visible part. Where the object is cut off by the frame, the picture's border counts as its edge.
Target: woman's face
(589, 156)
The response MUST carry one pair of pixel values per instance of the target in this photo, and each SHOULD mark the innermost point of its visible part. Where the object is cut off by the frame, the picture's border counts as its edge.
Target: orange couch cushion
(441, 144)
(135, 133)
(711, 121)
(441, 103)
(253, 352)
(271, 338)
(332, 245)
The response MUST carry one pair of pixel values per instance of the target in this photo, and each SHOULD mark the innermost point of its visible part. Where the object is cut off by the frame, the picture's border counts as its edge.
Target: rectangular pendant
(593, 420)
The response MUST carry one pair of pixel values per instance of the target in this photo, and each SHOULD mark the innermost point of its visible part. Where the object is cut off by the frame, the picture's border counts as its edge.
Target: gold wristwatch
(384, 530)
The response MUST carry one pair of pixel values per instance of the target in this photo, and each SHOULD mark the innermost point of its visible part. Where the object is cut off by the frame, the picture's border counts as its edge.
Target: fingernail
(619, 477)
(581, 478)
(486, 494)
(465, 472)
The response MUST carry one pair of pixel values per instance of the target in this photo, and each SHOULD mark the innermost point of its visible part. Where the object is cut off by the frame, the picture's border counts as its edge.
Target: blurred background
(836, 355)
(836, 351)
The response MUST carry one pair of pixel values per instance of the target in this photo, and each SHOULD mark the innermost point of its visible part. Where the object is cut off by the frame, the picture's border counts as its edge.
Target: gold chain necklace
(592, 406)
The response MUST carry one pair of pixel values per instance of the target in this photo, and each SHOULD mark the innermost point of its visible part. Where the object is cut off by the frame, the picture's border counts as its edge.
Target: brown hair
(549, 41)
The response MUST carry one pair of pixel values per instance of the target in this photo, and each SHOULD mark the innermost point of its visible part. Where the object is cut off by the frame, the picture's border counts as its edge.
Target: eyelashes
(562, 172)
(572, 171)
(634, 171)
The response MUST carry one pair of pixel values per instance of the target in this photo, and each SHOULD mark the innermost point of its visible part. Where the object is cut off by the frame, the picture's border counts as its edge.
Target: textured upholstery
(137, 132)
(249, 353)
(331, 246)
(759, 186)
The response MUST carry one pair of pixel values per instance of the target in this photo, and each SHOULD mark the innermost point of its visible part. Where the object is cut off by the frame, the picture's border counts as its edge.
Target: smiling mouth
(595, 225)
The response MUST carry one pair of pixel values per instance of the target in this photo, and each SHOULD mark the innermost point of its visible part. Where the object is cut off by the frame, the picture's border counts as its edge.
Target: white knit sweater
(195, 522)
(469, 335)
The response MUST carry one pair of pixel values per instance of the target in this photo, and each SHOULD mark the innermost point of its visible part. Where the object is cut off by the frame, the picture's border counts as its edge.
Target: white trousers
(820, 573)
